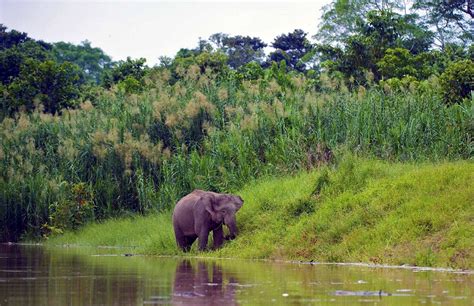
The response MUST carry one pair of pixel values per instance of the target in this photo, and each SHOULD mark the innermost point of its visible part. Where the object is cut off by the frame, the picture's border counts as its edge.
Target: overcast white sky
(153, 28)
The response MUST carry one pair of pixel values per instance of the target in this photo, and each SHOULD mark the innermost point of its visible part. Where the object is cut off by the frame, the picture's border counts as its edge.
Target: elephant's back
(187, 201)
(183, 216)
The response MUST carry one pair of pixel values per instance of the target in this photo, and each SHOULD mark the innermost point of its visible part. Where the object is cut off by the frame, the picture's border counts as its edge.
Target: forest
(84, 138)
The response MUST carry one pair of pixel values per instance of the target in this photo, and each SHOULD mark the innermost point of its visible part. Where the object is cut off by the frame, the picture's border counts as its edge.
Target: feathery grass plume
(341, 86)
(192, 109)
(240, 96)
(273, 88)
(158, 109)
(361, 92)
(27, 167)
(326, 82)
(298, 81)
(67, 150)
(172, 120)
(193, 73)
(249, 122)
(86, 105)
(23, 122)
(200, 100)
(204, 81)
(167, 153)
(251, 87)
(165, 76)
(179, 90)
(369, 77)
(233, 112)
(269, 112)
(279, 108)
(134, 110)
(180, 71)
(7, 126)
(156, 153)
(30, 146)
(100, 144)
(223, 94)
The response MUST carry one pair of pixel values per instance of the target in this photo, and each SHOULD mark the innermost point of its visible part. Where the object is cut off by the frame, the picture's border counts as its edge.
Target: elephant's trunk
(231, 223)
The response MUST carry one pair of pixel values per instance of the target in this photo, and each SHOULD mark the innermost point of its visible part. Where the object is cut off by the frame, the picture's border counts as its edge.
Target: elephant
(199, 213)
(203, 283)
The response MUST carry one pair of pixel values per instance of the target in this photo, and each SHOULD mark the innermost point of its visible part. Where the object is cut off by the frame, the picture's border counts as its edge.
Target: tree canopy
(91, 60)
(358, 42)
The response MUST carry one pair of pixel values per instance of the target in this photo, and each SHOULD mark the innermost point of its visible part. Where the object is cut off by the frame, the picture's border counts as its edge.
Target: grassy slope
(365, 211)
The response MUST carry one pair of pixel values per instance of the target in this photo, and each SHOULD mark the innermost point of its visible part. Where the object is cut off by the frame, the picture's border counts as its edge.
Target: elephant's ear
(209, 204)
(238, 202)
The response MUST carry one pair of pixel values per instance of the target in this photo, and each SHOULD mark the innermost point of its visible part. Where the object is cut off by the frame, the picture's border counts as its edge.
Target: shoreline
(283, 261)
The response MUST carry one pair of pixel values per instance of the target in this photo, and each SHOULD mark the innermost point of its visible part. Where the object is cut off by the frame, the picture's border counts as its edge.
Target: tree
(414, 35)
(452, 19)
(380, 31)
(12, 58)
(91, 60)
(291, 48)
(341, 18)
(11, 38)
(239, 49)
(242, 50)
(397, 63)
(54, 85)
(251, 71)
(204, 56)
(28, 73)
(165, 61)
(122, 70)
(386, 29)
(218, 40)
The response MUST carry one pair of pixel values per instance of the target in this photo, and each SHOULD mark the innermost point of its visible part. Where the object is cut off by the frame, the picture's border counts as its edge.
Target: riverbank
(360, 211)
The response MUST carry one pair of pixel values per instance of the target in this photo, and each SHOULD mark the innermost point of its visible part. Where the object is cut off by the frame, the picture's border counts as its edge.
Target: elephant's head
(222, 208)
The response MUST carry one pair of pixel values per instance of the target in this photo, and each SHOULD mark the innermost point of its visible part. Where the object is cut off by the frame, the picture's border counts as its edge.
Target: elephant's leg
(180, 238)
(203, 237)
(189, 242)
(218, 237)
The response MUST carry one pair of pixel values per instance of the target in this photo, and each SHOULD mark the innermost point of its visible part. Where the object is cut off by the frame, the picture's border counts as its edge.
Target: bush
(457, 81)
(72, 212)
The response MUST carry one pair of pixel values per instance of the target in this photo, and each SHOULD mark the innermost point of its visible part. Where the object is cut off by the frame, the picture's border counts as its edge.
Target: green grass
(131, 234)
(357, 211)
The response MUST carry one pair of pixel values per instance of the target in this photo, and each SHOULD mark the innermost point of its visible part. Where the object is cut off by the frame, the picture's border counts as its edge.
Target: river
(36, 275)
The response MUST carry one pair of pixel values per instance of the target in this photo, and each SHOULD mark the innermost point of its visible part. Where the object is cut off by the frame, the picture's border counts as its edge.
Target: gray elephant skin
(199, 213)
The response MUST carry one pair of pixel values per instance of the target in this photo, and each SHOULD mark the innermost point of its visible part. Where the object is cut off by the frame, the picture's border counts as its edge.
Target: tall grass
(140, 153)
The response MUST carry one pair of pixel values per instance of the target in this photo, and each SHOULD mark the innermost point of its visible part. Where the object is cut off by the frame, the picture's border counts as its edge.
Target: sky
(151, 29)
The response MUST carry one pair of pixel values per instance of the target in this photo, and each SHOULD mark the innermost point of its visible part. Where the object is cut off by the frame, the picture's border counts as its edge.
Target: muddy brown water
(35, 275)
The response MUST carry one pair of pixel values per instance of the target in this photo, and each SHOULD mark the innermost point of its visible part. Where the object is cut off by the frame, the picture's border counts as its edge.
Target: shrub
(457, 81)
(72, 212)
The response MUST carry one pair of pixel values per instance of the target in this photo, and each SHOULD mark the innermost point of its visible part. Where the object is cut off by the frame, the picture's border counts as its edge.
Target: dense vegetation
(84, 138)
(360, 211)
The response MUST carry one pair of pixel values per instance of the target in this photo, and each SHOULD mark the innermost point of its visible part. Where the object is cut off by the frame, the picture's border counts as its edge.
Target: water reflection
(33, 275)
(30, 275)
(202, 284)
